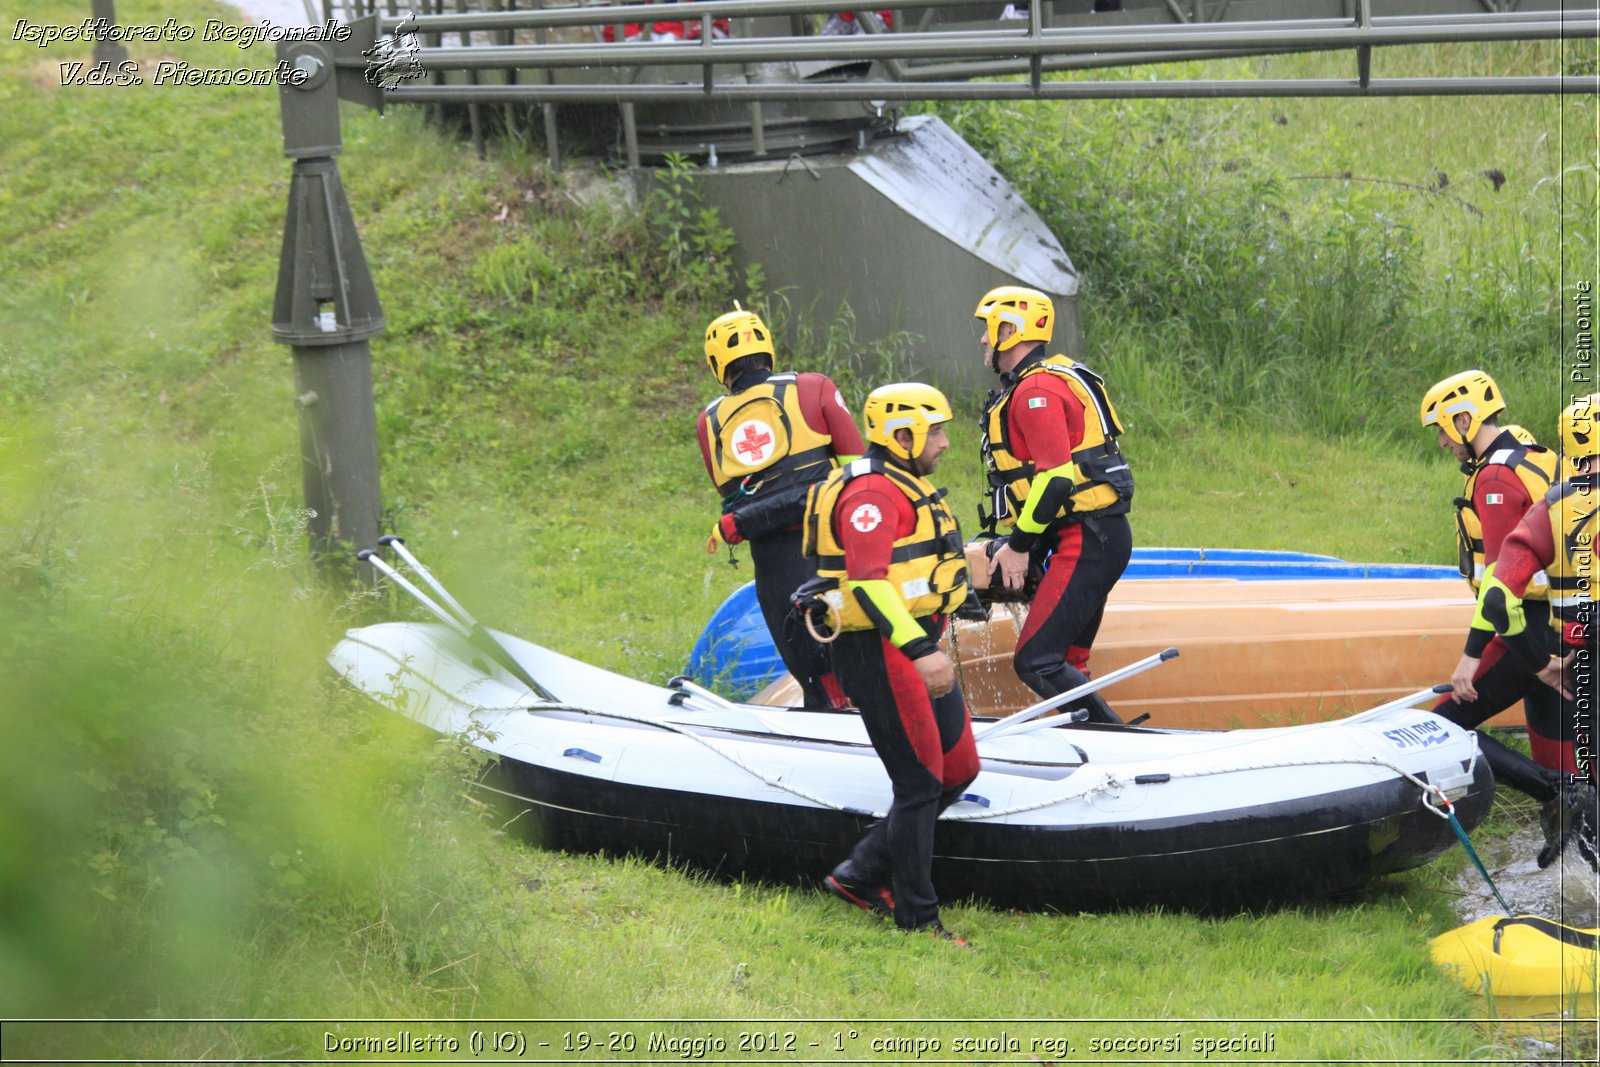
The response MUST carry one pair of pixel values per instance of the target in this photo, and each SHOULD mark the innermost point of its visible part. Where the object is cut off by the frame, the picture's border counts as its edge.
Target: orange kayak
(1252, 652)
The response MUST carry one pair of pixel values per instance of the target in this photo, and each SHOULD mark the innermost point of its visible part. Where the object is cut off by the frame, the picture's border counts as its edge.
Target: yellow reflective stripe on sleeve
(887, 610)
(1516, 619)
(1028, 521)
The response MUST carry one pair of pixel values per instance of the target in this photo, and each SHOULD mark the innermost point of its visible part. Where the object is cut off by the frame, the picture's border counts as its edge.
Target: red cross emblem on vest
(752, 443)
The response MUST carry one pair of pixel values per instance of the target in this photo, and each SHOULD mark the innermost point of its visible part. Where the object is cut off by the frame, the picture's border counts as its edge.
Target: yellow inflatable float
(1521, 956)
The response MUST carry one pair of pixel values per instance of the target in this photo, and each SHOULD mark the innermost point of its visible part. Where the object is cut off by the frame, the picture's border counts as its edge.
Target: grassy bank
(1319, 262)
(200, 823)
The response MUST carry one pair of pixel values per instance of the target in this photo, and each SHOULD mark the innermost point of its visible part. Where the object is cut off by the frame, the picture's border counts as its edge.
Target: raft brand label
(1418, 734)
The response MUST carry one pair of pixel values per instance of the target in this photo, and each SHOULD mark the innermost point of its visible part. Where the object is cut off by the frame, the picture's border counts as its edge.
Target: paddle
(368, 555)
(687, 688)
(1405, 701)
(1011, 722)
(399, 545)
(462, 621)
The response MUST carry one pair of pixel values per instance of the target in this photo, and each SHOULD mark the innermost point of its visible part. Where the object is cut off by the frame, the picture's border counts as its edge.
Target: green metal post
(630, 136)
(758, 131)
(327, 309)
(552, 143)
(474, 118)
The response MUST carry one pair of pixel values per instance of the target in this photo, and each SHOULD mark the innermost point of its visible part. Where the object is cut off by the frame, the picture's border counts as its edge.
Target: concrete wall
(909, 233)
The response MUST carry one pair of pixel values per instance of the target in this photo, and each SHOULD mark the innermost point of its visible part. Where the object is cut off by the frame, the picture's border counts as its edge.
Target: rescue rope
(811, 627)
(1107, 782)
(1449, 813)
(1114, 784)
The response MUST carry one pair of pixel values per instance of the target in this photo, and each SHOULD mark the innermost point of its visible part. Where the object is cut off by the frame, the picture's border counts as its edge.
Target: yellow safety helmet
(1579, 427)
(1029, 310)
(904, 406)
(1471, 391)
(733, 336)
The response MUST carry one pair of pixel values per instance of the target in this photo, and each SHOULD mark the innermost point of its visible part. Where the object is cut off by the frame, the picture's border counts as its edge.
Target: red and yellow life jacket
(760, 438)
(1573, 505)
(1535, 466)
(928, 567)
(1107, 481)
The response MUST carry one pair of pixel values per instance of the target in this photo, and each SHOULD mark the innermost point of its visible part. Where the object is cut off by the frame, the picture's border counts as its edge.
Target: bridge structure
(802, 142)
(758, 52)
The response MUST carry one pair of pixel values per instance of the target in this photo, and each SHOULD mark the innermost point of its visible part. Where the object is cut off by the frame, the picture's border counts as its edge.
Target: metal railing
(502, 54)
(963, 57)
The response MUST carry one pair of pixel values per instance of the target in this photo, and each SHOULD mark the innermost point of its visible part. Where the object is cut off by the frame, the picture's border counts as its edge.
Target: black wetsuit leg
(1502, 680)
(927, 748)
(1066, 612)
(781, 568)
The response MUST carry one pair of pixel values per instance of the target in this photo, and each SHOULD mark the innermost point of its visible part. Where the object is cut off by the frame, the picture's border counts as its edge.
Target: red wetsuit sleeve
(703, 432)
(1045, 418)
(1527, 550)
(825, 412)
(870, 516)
(1500, 500)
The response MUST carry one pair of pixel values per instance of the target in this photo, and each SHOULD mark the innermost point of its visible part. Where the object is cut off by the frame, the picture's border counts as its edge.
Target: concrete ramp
(909, 232)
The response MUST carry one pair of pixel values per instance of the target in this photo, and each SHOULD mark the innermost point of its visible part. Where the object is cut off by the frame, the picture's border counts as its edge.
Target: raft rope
(1106, 782)
(1441, 805)
(1113, 784)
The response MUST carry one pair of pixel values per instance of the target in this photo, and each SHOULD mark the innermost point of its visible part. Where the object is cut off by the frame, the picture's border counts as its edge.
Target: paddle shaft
(462, 623)
(683, 684)
(400, 549)
(1010, 722)
(367, 555)
(1405, 701)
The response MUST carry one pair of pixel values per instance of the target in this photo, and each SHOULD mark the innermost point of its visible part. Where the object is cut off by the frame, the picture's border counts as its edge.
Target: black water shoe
(935, 929)
(876, 899)
(1564, 817)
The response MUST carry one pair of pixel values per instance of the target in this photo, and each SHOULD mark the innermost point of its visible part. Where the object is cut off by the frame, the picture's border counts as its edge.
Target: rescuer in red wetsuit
(1556, 537)
(1060, 487)
(1506, 473)
(764, 445)
(668, 30)
(890, 553)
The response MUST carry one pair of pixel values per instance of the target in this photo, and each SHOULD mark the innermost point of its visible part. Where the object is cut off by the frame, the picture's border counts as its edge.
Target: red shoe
(876, 899)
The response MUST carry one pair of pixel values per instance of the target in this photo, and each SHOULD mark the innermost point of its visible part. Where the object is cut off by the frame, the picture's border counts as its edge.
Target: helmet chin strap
(997, 348)
(1467, 442)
